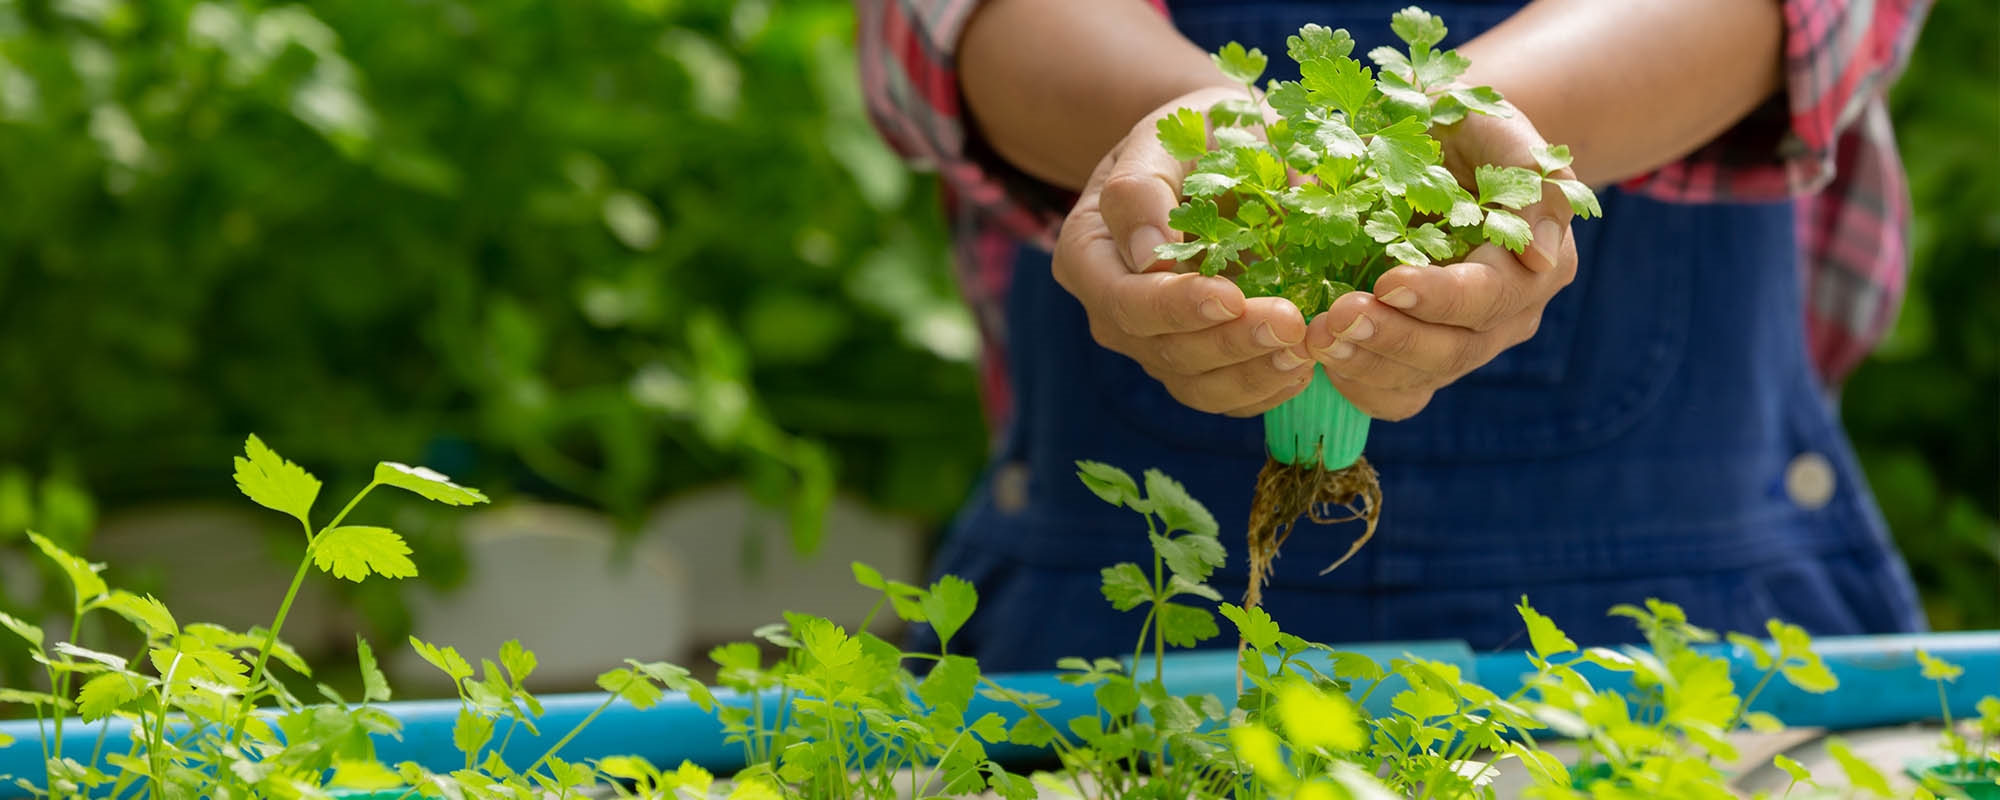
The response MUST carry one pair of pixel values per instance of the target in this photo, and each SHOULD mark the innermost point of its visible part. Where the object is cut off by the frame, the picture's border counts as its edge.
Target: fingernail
(1215, 311)
(1359, 331)
(1144, 241)
(1401, 297)
(1286, 360)
(1548, 238)
(1340, 350)
(1265, 336)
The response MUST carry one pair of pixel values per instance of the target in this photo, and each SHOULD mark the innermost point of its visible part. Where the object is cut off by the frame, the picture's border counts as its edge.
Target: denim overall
(1661, 436)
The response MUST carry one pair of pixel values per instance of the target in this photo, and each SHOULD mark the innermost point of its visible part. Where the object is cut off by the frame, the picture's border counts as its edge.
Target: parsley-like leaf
(1401, 153)
(427, 482)
(949, 604)
(1125, 586)
(354, 552)
(1551, 157)
(1198, 216)
(273, 482)
(374, 685)
(1513, 187)
(1581, 199)
(1207, 184)
(1186, 626)
(1242, 66)
(1192, 556)
(1420, 29)
(1109, 483)
(1184, 134)
(105, 694)
(1315, 42)
(1344, 83)
(1178, 509)
(1508, 229)
(82, 574)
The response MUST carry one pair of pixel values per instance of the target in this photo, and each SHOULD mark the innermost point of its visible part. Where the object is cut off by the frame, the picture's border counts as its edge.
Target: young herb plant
(1311, 189)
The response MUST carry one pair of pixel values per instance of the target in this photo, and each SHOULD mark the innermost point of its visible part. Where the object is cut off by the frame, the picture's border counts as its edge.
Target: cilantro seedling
(1311, 189)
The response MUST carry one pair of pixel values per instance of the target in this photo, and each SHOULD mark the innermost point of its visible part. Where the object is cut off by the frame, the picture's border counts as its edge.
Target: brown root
(1286, 492)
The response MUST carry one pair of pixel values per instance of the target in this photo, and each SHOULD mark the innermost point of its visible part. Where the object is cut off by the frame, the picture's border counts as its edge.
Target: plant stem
(60, 684)
(160, 725)
(1744, 708)
(257, 675)
(592, 717)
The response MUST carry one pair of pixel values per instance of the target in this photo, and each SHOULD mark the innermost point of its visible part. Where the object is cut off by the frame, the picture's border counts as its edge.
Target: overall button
(1809, 481)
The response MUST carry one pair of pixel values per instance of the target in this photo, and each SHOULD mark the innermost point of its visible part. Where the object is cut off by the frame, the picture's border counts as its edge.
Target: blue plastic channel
(1880, 684)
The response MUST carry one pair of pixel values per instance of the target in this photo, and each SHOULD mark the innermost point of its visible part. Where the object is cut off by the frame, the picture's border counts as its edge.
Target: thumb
(1142, 188)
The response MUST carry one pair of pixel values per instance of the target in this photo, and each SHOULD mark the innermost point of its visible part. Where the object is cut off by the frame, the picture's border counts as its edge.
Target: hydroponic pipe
(1880, 684)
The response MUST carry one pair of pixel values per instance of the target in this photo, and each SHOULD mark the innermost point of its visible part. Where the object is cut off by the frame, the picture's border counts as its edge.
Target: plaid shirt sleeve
(1825, 141)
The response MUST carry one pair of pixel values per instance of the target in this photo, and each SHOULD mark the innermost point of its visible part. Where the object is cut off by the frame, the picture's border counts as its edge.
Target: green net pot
(1317, 424)
(1978, 779)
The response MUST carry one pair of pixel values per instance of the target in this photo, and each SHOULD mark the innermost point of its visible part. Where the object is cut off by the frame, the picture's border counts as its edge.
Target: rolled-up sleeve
(908, 53)
(1840, 58)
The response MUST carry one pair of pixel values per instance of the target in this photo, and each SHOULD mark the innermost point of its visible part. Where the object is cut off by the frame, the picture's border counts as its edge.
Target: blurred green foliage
(599, 249)
(1924, 411)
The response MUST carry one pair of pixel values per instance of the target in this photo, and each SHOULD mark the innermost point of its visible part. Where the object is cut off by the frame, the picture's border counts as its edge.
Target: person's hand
(1213, 349)
(1422, 328)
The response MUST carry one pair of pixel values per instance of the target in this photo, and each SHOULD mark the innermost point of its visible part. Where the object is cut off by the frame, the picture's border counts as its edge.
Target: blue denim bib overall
(1661, 436)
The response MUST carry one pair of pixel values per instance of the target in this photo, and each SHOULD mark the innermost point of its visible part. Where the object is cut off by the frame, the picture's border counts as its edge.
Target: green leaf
(1507, 229)
(1207, 184)
(1032, 731)
(26, 698)
(1763, 722)
(1117, 697)
(1793, 768)
(374, 685)
(1384, 226)
(471, 732)
(1483, 99)
(82, 574)
(427, 482)
(1581, 199)
(519, 661)
(1344, 84)
(1241, 66)
(1192, 556)
(1432, 240)
(1401, 153)
(1109, 483)
(1125, 586)
(1198, 216)
(1235, 111)
(1178, 251)
(1317, 42)
(1938, 669)
(1288, 98)
(446, 659)
(1392, 62)
(148, 613)
(105, 694)
(1319, 720)
(1406, 253)
(1550, 157)
(1548, 640)
(868, 576)
(21, 628)
(1253, 625)
(631, 686)
(949, 604)
(363, 774)
(1418, 28)
(1180, 585)
(1860, 774)
(1442, 67)
(950, 684)
(1184, 134)
(354, 552)
(1758, 655)
(1186, 626)
(1178, 509)
(275, 483)
(1513, 187)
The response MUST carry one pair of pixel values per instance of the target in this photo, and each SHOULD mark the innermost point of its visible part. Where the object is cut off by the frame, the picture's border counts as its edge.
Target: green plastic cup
(1320, 423)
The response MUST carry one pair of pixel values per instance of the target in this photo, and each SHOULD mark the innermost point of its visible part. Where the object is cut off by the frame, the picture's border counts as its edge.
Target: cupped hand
(1422, 328)
(1213, 349)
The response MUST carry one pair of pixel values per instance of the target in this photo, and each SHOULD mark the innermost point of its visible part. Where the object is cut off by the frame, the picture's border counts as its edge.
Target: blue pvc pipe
(1880, 684)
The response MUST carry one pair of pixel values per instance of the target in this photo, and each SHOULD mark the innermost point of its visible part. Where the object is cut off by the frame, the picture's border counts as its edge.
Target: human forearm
(1053, 84)
(1632, 85)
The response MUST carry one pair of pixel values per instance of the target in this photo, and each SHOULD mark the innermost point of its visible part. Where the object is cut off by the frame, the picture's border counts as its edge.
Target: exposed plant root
(1286, 492)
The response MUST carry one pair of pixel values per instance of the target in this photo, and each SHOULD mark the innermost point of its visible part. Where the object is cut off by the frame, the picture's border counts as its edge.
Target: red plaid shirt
(1829, 145)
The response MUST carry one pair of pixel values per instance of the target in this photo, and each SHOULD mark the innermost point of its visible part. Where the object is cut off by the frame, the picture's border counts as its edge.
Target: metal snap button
(1809, 481)
(1010, 487)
